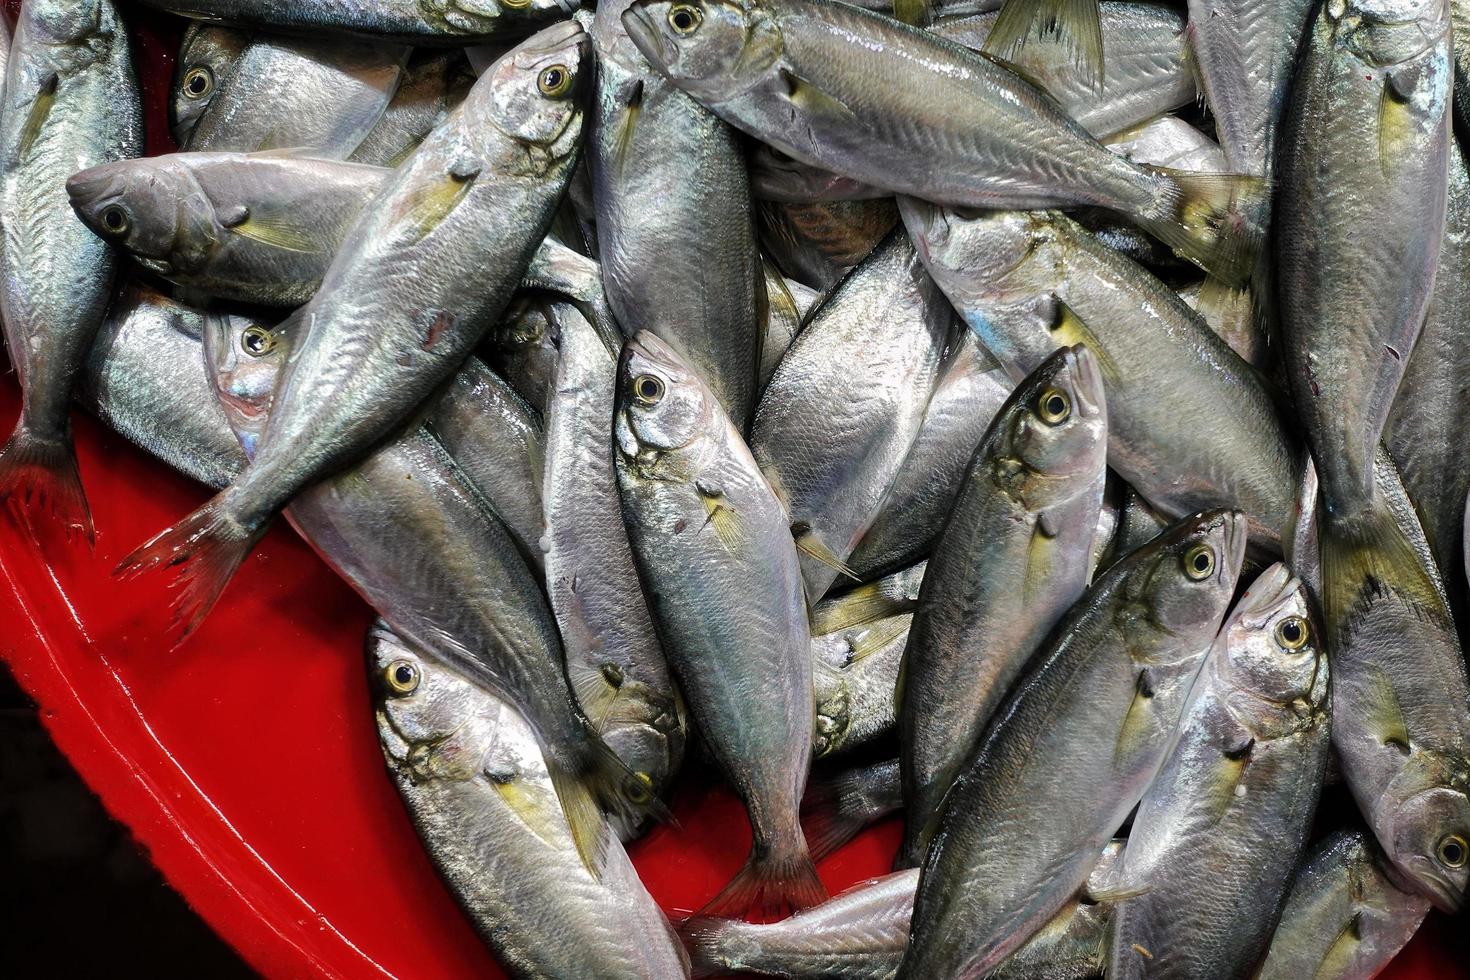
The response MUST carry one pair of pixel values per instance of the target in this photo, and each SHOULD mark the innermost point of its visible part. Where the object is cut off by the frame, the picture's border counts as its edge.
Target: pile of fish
(1043, 417)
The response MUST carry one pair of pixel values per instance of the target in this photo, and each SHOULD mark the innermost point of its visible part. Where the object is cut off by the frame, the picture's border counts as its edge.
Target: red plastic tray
(247, 762)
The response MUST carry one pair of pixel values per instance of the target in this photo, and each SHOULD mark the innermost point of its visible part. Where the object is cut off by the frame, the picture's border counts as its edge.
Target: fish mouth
(646, 36)
(1442, 894)
(1274, 586)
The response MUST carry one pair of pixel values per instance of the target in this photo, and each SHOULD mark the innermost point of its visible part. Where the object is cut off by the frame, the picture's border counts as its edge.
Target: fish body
(1009, 563)
(1073, 750)
(855, 671)
(206, 54)
(433, 84)
(426, 22)
(1168, 141)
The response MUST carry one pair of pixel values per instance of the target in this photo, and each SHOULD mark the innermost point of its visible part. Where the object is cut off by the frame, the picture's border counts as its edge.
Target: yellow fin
(523, 802)
(627, 122)
(597, 689)
(875, 638)
(277, 233)
(863, 604)
(40, 111)
(1385, 715)
(809, 544)
(1076, 24)
(915, 12)
(1374, 555)
(808, 97)
(590, 832)
(430, 203)
(1068, 330)
(1342, 951)
(1137, 720)
(1226, 775)
(1041, 559)
(720, 516)
(1395, 123)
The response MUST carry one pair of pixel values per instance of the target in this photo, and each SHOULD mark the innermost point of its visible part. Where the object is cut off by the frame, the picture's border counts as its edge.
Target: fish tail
(1367, 555)
(1077, 24)
(39, 474)
(704, 939)
(206, 547)
(835, 810)
(1213, 220)
(774, 883)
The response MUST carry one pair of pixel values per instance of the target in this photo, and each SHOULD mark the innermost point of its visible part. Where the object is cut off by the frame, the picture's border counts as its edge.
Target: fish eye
(114, 220)
(685, 18)
(1452, 851)
(198, 82)
(555, 81)
(257, 341)
(640, 787)
(1291, 633)
(1054, 407)
(1199, 562)
(648, 389)
(402, 676)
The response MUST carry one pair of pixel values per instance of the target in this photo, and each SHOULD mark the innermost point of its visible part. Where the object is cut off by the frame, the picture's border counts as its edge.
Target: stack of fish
(980, 400)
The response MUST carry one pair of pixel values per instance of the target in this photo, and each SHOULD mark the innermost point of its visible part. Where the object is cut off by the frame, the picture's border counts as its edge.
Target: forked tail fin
(773, 884)
(206, 547)
(39, 475)
(1366, 558)
(1213, 220)
(838, 807)
(1076, 24)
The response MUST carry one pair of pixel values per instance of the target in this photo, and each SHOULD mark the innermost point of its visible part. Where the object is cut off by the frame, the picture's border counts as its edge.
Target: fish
(1029, 282)
(715, 555)
(815, 243)
(523, 349)
(1168, 141)
(803, 75)
(206, 54)
(1234, 802)
(410, 534)
(1364, 144)
(1138, 524)
(839, 805)
(71, 101)
(891, 595)
(1009, 563)
(280, 93)
(423, 22)
(854, 674)
(433, 83)
(839, 414)
(1073, 750)
(474, 781)
(257, 228)
(666, 173)
(969, 393)
(144, 377)
(470, 206)
(1345, 918)
(614, 657)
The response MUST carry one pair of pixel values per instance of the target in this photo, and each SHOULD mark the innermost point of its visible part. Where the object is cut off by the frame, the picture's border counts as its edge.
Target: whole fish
(854, 674)
(865, 96)
(1073, 750)
(145, 379)
(205, 55)
(1364, 145)
(890, 595)
(475, 783)
(410, 534)
(1010, 561)
(666, 173)
(839, 805)
(71, 101)
(1345, 917)
(1233, 805)
(424, 273)
(1028, 283)
(970, 392)
(715, 555)
(433, 83)
(281, 93)
(816, 243)
(427, 22)
(838, 417)
(614, 659)
(1146, 74)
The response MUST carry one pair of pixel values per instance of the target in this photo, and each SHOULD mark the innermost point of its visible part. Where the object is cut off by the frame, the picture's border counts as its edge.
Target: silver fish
(1010, 561)
(667, 173)
(523, 348)
(716, 558)
(1030, 282)
(1073, 750)
(838, 806)
(970, 391)
(854, 672)
(205, 55)
(71, 101)
(1345, 917)
(1168, 141)
(815, 243)
(475, 783)
(442, 22)
(1233, 804)
(838, 417)
(426, 270)
(433, 84)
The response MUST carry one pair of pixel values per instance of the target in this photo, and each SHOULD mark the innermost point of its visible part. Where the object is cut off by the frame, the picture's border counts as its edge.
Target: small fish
(427, 22)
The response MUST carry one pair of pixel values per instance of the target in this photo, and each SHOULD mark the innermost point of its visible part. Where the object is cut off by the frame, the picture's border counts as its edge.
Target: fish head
(1387, 32)
(245, 359)
(65, 22)
(664, 408)
(1182, 581)
(205, 55)
(713, 49)
(1056, 430)
(970, 250)
(535, 91)
(1429, 841)
(151, 208)
(1272, 649)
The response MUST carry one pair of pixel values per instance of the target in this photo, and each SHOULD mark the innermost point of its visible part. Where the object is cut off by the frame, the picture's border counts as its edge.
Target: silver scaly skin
(667, 173)
(1009, 563)
(1168, 141)
(1345, 917)
(1072, 751)
(845, 404)
(434, 84)
(427, 269)
(205, 55)
(471, 775)
(840, 804)
(855, 671)
(1028, 283)
(1233, 805)
(714, 552)
(426, 22)
(283, 93)
(71, 101)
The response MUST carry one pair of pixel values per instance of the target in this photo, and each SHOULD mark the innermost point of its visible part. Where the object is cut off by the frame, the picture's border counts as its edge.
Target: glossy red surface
(246, 762)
